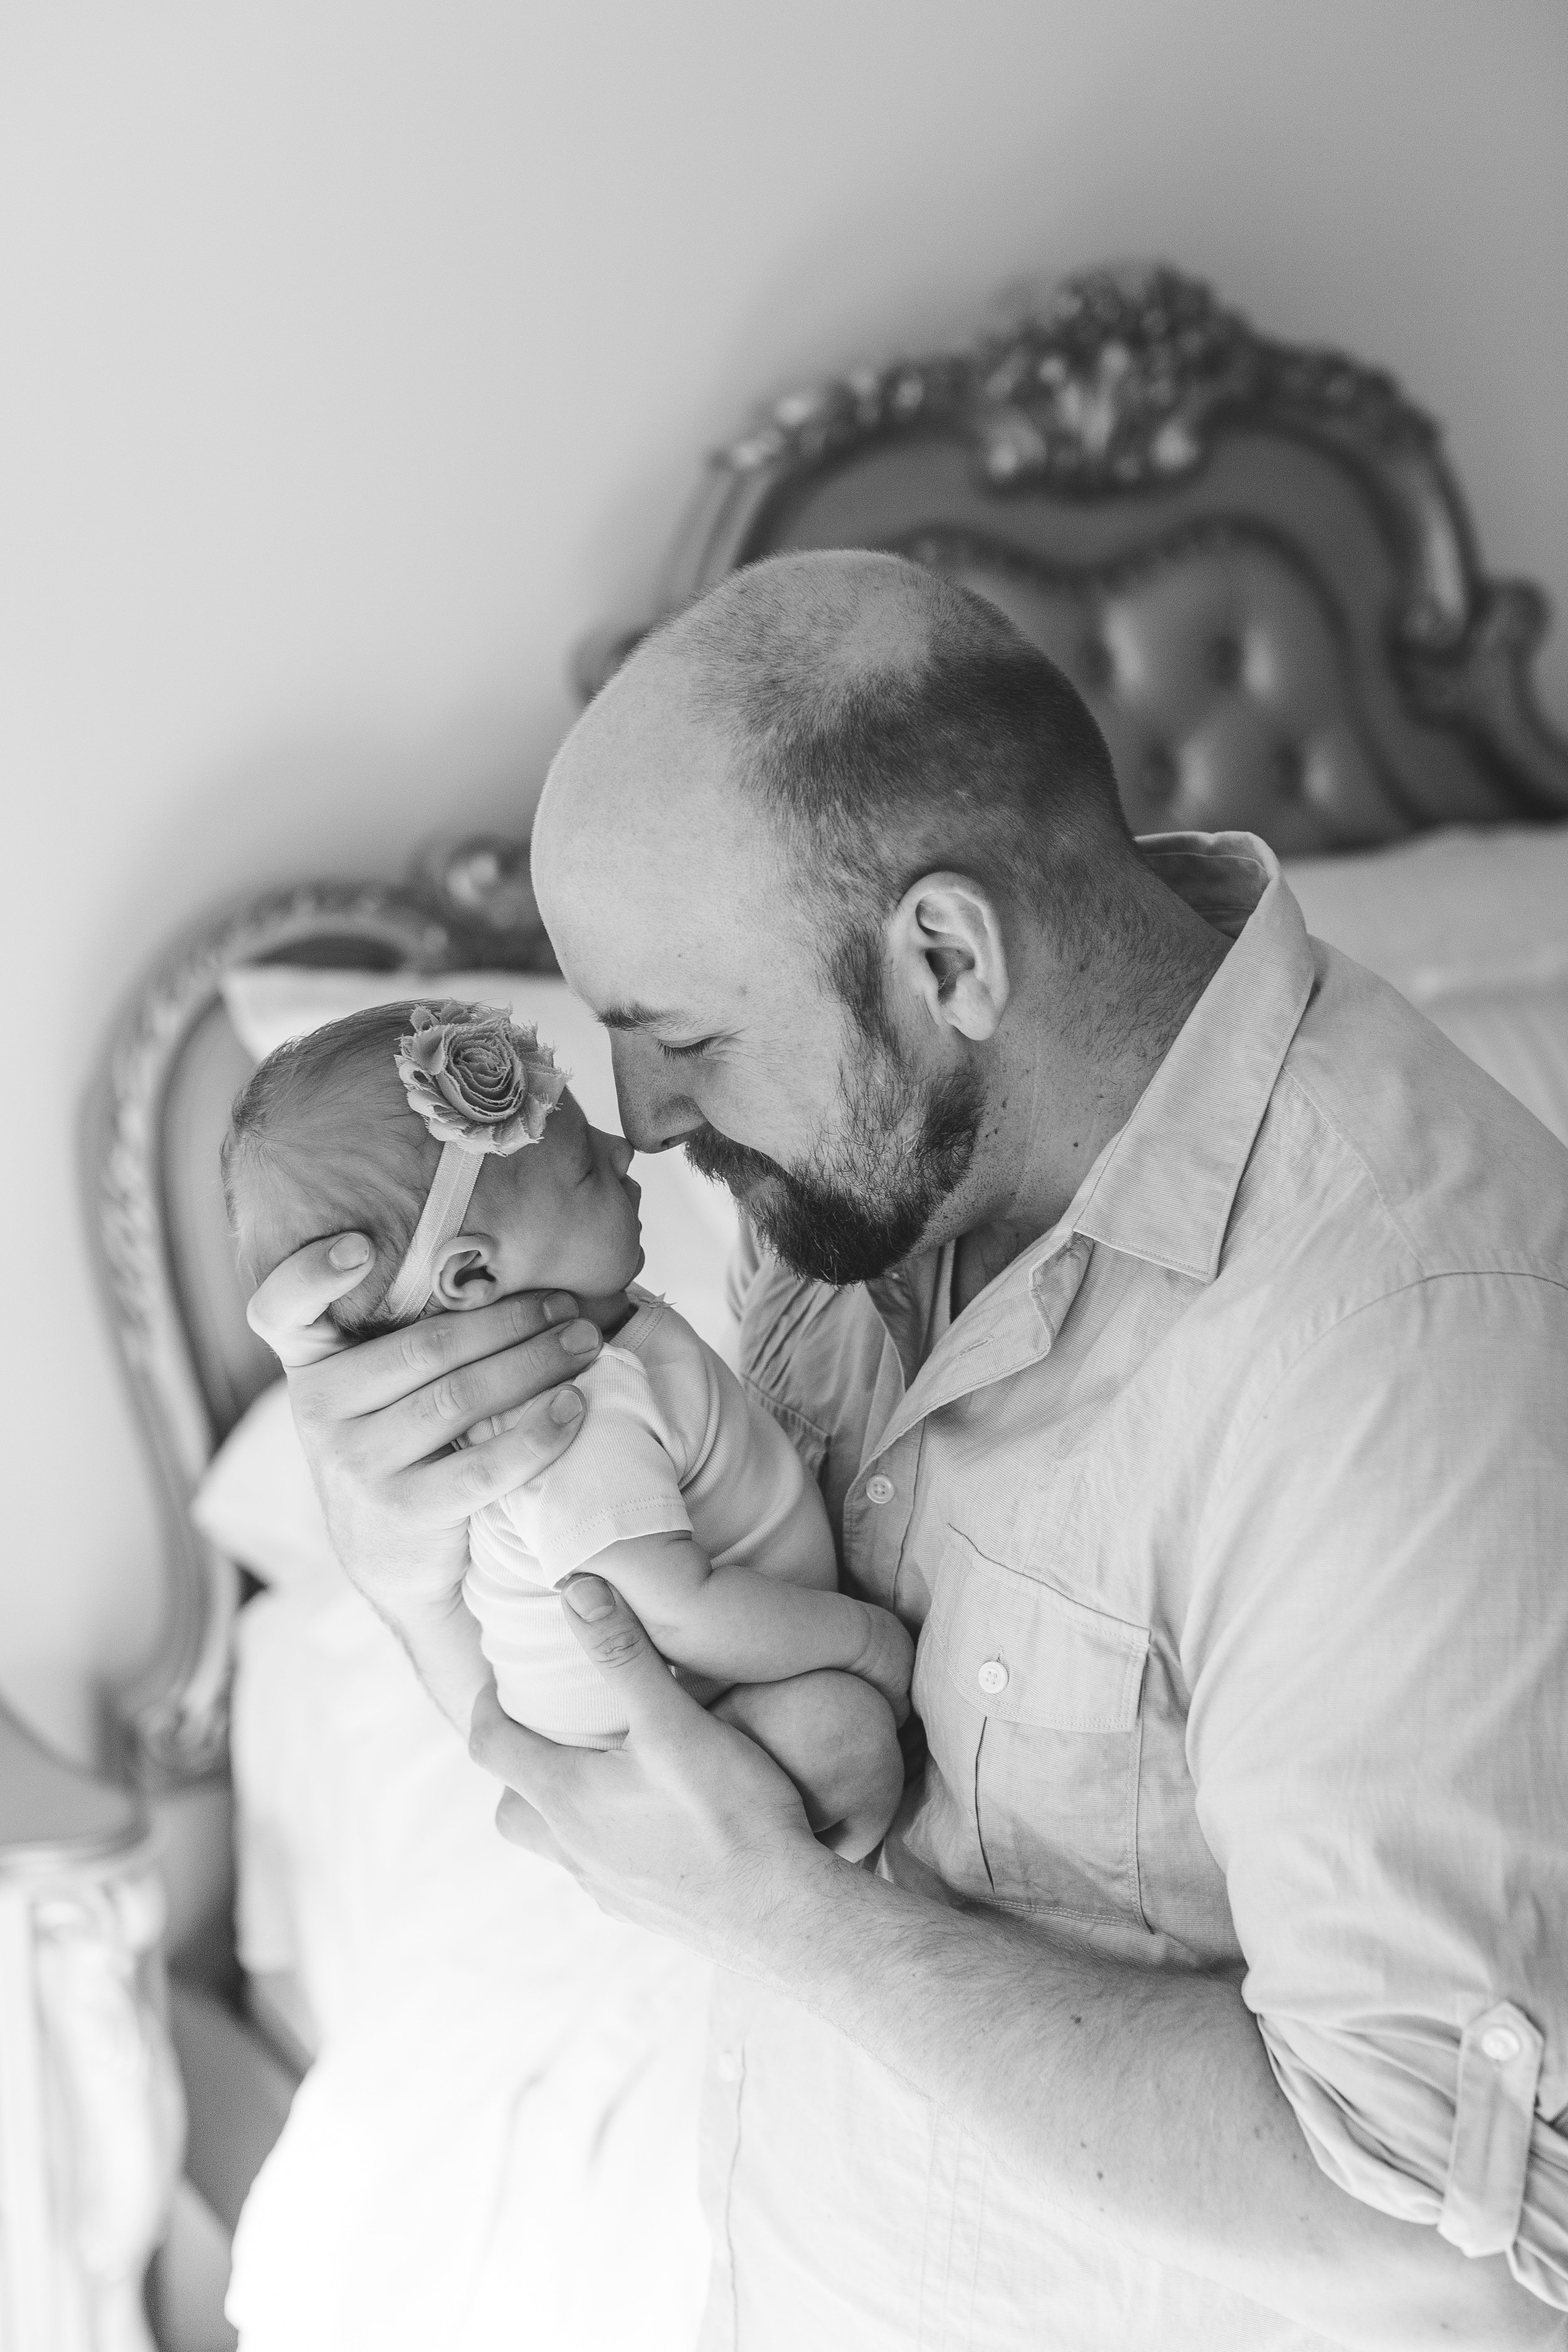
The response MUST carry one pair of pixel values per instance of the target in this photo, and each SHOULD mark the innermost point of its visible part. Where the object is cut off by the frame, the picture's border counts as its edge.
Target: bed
(1255, 562)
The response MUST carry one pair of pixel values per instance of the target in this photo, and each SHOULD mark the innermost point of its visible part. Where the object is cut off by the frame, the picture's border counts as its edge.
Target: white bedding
(497, 2146)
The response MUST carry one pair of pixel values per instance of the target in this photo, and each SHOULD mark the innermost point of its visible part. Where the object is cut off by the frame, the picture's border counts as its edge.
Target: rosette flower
(477, 1077)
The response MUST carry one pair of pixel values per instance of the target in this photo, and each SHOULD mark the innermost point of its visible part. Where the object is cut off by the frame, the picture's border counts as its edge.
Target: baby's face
(561, 1213)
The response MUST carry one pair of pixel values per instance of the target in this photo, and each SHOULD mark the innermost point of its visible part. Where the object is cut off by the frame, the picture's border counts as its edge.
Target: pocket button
(993, 1677)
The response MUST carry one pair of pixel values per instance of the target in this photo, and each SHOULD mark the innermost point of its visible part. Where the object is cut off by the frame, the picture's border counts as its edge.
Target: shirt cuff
(576, 1546)
(1494, 2115)
(1468, 2155)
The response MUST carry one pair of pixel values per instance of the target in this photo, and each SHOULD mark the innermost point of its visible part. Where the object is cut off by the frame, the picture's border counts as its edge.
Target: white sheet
(1472, 927)
(497, 2146)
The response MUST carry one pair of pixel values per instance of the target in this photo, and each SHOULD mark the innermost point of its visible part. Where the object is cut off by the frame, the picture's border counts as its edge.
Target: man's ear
(464, 1275)
(945, 942)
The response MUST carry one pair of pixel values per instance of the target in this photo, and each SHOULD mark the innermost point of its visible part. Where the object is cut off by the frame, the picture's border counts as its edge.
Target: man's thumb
(614, 1638)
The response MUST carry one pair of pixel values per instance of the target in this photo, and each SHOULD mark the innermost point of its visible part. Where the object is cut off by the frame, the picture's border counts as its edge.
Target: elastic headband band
(446, 1206)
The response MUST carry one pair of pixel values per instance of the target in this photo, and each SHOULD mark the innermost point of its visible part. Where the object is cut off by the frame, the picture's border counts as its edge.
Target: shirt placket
(1018, 1330)
(878, 1510)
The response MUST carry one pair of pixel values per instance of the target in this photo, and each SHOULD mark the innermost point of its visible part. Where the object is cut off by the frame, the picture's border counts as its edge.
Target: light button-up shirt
(1232, 1517)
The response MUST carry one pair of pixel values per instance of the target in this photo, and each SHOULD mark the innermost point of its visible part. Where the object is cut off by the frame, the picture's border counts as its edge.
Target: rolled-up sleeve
(1377, 1653)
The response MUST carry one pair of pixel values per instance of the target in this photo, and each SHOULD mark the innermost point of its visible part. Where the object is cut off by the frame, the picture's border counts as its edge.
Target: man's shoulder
(1395, 1152)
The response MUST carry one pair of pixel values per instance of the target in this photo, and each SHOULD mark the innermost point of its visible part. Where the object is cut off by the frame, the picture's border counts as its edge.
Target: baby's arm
(735, 1626)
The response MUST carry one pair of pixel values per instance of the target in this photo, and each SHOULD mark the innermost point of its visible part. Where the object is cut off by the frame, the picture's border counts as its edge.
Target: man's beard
(848, 1214)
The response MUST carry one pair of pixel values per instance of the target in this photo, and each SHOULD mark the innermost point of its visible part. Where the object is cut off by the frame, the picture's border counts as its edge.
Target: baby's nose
(621, 1154)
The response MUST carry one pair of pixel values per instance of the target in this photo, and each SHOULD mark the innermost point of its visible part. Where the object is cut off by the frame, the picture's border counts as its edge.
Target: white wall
(359, 356)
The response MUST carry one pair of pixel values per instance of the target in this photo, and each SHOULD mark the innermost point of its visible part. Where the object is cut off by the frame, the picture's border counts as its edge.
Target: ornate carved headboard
(1252, 559)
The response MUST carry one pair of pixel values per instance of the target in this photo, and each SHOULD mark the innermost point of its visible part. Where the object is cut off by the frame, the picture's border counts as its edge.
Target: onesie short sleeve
(620, 1477)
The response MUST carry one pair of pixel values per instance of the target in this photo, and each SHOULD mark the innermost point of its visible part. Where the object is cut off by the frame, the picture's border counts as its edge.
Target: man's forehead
(671, 967)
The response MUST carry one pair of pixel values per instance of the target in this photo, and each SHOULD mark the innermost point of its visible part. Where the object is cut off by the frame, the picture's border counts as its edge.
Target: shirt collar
(1165, 1189)
(1162, 1188)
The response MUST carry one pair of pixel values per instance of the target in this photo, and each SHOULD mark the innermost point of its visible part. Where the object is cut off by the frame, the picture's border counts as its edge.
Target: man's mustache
(726, 1163)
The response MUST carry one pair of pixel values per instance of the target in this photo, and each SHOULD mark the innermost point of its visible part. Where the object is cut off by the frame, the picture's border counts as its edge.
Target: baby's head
(386, 1124)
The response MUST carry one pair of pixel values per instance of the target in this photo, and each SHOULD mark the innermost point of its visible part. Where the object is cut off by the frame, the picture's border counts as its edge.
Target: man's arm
(1142, 2101)
(747, 1628)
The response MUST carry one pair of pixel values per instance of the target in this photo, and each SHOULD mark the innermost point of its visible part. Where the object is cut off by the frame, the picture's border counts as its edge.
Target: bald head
(846, 720)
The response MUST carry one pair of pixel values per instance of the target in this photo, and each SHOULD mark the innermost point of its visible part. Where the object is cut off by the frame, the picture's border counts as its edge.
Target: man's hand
(689, 1828)
(380, 1422)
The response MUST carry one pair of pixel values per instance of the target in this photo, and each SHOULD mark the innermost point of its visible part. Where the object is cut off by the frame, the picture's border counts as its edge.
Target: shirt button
(879, 1489)
(727, 2066)
(1500, 2043)
(991, 1677)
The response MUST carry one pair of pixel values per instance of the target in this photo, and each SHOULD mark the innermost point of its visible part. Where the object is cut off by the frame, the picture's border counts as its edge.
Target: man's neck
(1064, 1108)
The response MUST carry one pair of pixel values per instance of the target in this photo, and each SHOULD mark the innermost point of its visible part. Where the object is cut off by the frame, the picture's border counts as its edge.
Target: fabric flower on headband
(477, 1078)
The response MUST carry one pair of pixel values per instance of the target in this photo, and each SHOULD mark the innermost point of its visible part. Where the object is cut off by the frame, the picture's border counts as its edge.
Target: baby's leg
(834, 1735)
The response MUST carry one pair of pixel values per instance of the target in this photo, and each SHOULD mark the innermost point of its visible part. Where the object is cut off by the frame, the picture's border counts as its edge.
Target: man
(1178, 1327)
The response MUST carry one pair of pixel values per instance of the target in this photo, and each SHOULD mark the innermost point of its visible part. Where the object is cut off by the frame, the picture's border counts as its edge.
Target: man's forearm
(1142, 2101)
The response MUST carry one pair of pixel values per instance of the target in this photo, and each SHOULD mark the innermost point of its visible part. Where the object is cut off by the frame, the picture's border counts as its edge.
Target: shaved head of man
(813, 855)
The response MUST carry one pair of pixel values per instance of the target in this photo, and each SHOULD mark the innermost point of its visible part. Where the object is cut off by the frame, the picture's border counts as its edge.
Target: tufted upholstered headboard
(1251, 558)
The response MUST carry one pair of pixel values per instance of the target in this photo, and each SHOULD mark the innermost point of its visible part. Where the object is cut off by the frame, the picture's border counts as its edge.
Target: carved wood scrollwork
(479, 884)
(1120, 383)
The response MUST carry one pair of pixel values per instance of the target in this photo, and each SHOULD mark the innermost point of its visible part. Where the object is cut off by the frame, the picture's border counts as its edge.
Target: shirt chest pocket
(1030, 1702)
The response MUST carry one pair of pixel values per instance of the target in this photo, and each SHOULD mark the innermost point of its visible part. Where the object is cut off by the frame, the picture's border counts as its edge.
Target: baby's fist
(886, 1658)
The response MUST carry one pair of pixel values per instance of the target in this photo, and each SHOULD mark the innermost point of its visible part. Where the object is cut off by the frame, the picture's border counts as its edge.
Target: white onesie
(670, 1443)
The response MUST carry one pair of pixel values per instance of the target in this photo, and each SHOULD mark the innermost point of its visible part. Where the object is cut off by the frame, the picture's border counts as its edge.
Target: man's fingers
(289, 1312)
(613, 1637)
(528, 1440)
(521, 1825)
(428, 1382)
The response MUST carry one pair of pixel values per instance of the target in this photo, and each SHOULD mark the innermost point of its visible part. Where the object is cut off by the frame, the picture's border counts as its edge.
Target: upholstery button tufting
(1289, 770)
(1095, 661)
(1224, 659)
(1160, 776)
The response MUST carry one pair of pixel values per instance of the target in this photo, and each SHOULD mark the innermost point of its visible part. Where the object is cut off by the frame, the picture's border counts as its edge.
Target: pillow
(256, 1504)
(1472, 927)
(688, 1225)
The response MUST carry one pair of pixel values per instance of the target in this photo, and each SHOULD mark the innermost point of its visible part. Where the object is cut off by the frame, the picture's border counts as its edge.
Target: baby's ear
(464, 1275)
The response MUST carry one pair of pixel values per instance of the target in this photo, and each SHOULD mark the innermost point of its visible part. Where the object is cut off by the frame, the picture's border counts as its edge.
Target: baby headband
(481, 1083)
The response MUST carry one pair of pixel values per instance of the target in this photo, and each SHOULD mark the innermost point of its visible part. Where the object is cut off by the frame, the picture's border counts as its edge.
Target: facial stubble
(851, 1212)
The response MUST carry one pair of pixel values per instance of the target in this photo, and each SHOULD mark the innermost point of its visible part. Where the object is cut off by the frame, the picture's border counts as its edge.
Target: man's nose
(653, 1115)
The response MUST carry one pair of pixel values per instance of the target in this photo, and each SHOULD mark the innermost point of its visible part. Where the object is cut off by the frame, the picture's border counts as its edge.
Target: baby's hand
(886, 1658)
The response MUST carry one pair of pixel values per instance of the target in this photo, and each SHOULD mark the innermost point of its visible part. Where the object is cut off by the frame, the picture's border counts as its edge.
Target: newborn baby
(446, 1134)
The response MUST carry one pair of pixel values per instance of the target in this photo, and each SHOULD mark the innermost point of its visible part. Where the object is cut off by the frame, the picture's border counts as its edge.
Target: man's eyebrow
(637, 1016)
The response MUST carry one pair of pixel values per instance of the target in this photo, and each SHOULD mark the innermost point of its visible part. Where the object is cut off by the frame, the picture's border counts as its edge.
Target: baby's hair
(321, 1140)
